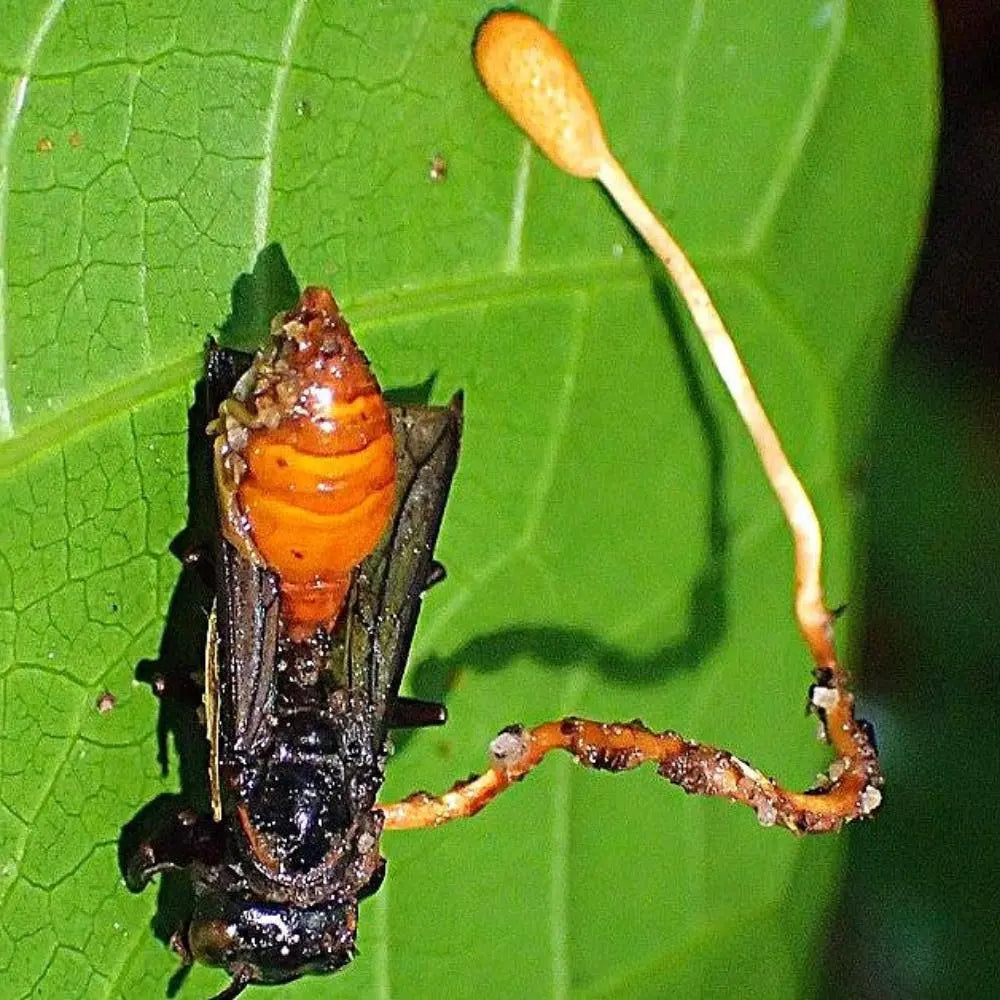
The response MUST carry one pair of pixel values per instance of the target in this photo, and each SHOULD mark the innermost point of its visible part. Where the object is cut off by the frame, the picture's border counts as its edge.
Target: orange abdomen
(319, 485)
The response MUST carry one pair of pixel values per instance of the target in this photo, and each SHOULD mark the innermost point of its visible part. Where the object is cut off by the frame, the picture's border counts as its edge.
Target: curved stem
(810, 610)
(848, 791)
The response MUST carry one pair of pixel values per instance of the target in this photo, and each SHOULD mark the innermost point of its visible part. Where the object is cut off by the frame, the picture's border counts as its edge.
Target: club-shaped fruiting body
(532, 76)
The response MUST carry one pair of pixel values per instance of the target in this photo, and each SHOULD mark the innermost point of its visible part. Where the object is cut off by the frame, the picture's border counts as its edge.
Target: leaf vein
(15, 106)
(381, 972)
(546, 472)
(373, 311)
(760, 222)
(559, 855)
(679, 120)
(515, 232)
(262, 200)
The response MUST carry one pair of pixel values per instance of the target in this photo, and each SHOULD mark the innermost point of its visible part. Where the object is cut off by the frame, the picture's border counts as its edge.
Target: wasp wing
(387, 592)
(243, 634)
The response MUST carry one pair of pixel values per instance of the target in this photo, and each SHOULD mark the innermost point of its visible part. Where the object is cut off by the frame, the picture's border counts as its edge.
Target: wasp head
(259, 940)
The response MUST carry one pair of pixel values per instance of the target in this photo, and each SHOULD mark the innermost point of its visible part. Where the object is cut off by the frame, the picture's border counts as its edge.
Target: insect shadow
(174, 676)
(555, 647)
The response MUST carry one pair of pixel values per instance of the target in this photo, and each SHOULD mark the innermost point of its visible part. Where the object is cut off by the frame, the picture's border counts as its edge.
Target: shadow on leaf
(257, 298)
(553, 647)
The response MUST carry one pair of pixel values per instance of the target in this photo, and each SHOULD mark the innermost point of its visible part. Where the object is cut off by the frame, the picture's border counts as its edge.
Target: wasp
(329, 504)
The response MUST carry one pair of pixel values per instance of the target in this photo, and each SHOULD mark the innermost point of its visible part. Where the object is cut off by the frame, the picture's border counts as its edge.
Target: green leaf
(612, 547)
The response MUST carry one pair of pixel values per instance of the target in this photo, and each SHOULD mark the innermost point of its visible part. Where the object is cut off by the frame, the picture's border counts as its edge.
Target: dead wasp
(329, 505)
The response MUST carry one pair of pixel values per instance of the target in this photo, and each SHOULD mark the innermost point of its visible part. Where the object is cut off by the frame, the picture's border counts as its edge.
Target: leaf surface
(612, 547)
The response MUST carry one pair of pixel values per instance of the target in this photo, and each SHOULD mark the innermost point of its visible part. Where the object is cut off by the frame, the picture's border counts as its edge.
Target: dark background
(920, 908)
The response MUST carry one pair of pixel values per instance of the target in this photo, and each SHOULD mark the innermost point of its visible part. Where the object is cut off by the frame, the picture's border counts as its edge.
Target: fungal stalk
(533, 77)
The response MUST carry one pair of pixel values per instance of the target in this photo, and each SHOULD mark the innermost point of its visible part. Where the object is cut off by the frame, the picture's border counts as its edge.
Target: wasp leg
(175, 843)
(183, 688)
(240, 981)
(201, 560)
(180, 947)
(436, 573)
(850, 790)
(413, 713)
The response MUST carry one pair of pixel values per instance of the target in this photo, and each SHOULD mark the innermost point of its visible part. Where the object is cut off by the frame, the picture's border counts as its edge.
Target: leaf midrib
(367, 313)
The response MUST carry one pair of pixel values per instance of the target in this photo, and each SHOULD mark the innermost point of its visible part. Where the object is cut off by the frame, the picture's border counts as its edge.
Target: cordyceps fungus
(312, 625)
(532, 76)
(535, 80)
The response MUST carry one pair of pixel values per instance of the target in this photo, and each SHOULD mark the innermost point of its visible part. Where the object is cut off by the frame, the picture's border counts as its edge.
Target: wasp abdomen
(311, 464)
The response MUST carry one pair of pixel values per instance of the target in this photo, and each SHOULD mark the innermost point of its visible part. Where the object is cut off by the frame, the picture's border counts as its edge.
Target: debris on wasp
(329, 507)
